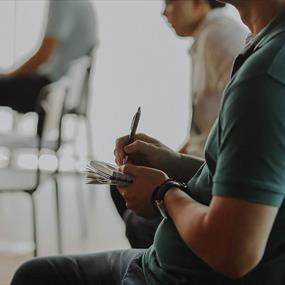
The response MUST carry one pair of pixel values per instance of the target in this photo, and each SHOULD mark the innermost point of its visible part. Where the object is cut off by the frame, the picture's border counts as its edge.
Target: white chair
(77, 100)
(15, 179)
(67, 96)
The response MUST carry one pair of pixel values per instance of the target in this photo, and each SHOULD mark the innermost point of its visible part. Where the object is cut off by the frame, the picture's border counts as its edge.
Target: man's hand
(145, 151)
(138, 194)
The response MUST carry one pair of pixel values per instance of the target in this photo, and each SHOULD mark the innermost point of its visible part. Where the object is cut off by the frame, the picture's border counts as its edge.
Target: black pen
(134, 126)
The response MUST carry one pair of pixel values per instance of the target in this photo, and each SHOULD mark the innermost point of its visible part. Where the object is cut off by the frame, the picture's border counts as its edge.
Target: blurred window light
(4, 157)
(6, 119)
(27, 123)
(48, 162)
(25, 158)
(27, 161)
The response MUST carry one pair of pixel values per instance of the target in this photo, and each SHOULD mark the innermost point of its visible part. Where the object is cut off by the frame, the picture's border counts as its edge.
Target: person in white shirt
(218, 37)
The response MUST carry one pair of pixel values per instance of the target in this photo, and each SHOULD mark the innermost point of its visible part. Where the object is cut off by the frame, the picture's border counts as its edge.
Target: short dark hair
(215, 4)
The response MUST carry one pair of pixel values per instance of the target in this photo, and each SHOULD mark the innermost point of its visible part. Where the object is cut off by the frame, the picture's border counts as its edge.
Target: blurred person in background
(217, 39)
(70, 33)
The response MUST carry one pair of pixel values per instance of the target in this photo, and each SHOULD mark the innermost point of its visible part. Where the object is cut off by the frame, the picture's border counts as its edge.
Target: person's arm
(41, 56)
(248, 184)
(228, 235)
(147, 151)
(231, 234)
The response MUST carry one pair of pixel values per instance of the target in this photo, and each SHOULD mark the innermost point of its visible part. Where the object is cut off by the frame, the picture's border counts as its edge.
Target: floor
(89, 222)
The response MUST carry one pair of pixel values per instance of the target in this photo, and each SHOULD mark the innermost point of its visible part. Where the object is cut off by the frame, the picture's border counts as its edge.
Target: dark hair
(215, 4)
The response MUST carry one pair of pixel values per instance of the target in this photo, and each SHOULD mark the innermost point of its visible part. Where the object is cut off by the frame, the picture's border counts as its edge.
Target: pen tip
(139, 109)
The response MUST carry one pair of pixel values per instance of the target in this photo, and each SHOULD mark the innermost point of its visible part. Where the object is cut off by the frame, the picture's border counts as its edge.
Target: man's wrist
(160, 192)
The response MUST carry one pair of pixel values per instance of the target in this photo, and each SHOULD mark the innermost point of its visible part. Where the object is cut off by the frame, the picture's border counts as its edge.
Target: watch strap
(161, 190)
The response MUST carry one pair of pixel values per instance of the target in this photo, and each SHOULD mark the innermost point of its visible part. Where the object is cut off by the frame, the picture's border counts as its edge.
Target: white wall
(140, 63)
(21, 25)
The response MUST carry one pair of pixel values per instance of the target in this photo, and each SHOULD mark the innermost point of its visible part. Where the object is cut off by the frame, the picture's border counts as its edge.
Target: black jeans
(139, 231)
(106, 268)
(21, 93)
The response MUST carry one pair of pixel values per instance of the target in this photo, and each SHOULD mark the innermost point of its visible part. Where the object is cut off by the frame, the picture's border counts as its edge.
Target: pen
(134, 126)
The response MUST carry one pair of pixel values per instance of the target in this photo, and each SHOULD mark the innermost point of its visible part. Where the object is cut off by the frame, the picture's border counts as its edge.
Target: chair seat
(14, 141)
(14, 180)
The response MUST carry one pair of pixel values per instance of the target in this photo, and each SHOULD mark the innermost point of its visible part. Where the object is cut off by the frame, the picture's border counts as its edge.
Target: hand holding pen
(134, 126)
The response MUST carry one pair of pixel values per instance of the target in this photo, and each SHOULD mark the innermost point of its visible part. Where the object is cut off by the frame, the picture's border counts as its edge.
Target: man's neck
(256, 14)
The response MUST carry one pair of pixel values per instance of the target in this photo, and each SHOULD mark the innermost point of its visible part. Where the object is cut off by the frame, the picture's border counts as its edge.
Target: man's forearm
(40, 57)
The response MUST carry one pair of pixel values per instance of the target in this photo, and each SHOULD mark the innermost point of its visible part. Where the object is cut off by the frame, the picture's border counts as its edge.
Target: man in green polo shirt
(227, 225)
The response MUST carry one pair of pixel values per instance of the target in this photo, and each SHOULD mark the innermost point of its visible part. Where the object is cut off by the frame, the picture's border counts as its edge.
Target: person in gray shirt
(70, 33)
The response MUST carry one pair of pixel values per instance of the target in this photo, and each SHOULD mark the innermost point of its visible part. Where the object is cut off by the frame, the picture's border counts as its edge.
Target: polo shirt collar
(274, 28)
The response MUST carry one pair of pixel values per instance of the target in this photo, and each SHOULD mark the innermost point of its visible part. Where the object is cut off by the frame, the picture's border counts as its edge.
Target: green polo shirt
(245, 159)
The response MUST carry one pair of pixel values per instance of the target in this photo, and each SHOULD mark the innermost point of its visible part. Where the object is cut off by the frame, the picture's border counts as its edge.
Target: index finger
(119, 149)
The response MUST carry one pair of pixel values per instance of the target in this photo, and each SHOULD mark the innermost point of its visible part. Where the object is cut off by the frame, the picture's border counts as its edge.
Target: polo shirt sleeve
(60, 21)
(251, 152)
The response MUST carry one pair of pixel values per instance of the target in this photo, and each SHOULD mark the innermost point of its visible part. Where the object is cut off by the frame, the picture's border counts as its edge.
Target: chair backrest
(69, 95)
(79, 81)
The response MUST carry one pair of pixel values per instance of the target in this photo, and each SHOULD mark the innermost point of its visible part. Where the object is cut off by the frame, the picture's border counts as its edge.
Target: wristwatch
(159, 193)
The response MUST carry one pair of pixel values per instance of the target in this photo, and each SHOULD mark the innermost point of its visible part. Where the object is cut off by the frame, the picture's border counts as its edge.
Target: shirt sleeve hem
(248, 193)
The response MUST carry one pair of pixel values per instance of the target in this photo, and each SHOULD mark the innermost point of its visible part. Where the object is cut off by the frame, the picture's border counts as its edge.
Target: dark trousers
(107, 268)
(21, 93)
(139, 231)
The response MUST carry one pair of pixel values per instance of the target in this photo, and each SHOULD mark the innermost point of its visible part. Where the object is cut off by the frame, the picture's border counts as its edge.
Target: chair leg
(58, 215)
(89, 138)
(81, 207)
(34, 217)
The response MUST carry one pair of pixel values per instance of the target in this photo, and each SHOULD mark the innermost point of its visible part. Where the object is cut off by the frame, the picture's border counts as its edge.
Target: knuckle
(139, 143)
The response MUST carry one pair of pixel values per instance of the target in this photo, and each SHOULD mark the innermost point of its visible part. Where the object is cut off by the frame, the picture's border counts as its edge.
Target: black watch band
(160, 191)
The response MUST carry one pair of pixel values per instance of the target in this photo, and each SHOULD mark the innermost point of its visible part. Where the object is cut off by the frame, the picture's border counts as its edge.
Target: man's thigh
(21, 92)
(106, 268)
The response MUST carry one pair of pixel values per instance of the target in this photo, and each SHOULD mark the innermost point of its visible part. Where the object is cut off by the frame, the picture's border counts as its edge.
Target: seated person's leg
(102, 268)
(21, 92)
(118, 200)
(139, 231)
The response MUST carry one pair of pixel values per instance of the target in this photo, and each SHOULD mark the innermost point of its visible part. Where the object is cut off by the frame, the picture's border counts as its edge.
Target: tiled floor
(89, 223)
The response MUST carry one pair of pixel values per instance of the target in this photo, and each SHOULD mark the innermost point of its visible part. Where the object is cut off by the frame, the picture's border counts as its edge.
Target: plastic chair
(28, 180)
(77, 102)
(67, 96)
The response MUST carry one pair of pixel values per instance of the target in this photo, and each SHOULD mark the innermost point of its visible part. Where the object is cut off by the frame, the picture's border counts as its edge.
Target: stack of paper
(99, 172)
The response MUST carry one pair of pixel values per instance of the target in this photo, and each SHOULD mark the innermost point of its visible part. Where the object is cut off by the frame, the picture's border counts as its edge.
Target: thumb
(138, 147)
